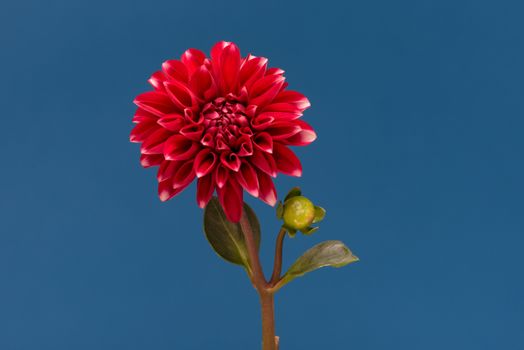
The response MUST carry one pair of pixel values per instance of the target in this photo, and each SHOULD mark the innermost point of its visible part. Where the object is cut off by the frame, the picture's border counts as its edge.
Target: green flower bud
(299, 213)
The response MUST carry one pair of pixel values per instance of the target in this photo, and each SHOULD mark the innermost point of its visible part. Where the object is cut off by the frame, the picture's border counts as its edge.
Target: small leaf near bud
(320, 213)
(295, 191)
(309, 230)
(280, 210)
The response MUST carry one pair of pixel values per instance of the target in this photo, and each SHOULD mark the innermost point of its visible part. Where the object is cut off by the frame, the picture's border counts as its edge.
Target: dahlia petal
(205, 162)
(216, 51)
(231, 198)
(172, 122)
(192, 117)
(184, 175)
(176, 70)
(287, 162)
(193, 131)
(246, 146)
(230, 160)
(178, 147)
(283, 130)
(262, 122)
(267, 191)
(293, 97)
(157, 80)
(264, 142)
(304, 137)
(166, 190)
(221, 145)
(252, 69)
(208, 140)
(202, 84)
(221, 175)
(155, 102)
(154, 143)
(167, 169)
(247, 178)
(283, 108)
(265, 90)
(180, 94)
(230, 64)
(142, 115)
(149, 160)
(280, 116)
(193, 59)
(205, 189)
(275, 71)
(142, 130)
(264, 162)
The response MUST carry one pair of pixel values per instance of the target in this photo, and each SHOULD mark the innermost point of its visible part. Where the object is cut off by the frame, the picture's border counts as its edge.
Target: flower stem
(269, 341)
(277, 268)
(254, 261)
(267, 303)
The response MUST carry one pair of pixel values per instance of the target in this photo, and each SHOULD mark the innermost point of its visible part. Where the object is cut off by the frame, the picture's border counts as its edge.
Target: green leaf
(290, 231)
(320, 213)
(309, 230)
(329, 253)
(280, 210)
(295, 191)
(226, 238)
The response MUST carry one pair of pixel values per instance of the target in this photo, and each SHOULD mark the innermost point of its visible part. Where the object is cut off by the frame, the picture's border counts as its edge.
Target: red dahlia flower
(226, 120)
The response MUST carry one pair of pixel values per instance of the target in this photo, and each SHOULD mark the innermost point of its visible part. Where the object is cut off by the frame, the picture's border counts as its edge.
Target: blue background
(419, 110)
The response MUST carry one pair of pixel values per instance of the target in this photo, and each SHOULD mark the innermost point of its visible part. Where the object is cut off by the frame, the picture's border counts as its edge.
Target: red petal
(184, 175)
(230, 160)
(205, 162)
(275, 71)
(193, 59)
(202, 84)
(245, 146)
(247, 178)
(230, 197)
(264, 162)
(262, 122)
(283, 108)
(264, 142)
(221, 175)
(167, 169)
(280, 116)
(293, 97)
(157, 80)
(193, 131)
(166, 190)
(283, 130)
(304, 137)
(180, 94)
(149, 160)
(155, 102)
(252, 69)
(265, 90)
(179, 147)
(176, 70)
(267, 189)
(154, 144)
(172, 122)
(205, 189)
(230, 64)
(142, 130)
(286, 161)
(208, 141)
(142, 115)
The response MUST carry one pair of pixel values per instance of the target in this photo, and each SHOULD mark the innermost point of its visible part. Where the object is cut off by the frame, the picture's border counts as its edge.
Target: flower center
(226, 123)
